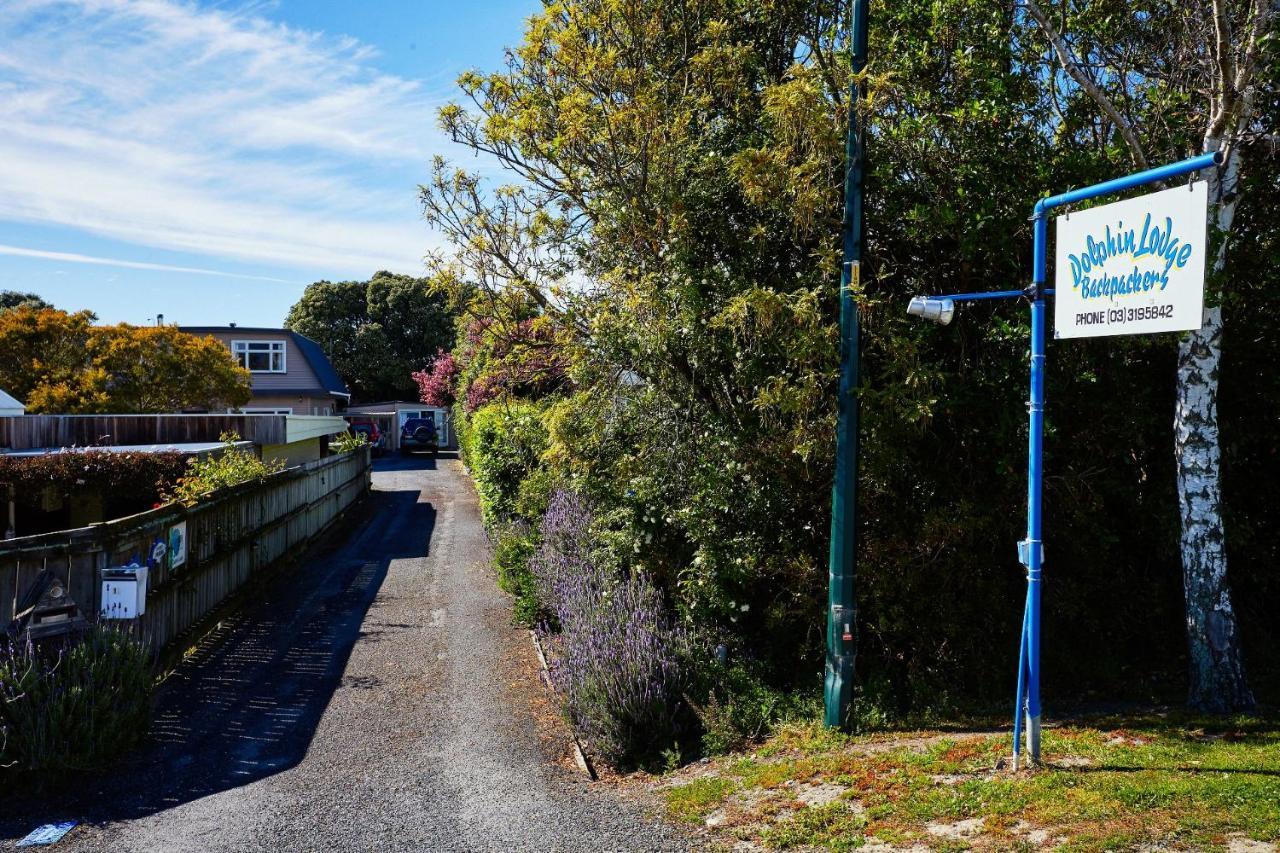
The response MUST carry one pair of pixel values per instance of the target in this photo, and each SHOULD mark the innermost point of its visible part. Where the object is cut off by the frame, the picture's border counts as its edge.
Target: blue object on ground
(50, 833)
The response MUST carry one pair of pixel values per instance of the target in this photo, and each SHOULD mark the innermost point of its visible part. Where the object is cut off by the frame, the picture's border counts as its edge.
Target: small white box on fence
(124, 592)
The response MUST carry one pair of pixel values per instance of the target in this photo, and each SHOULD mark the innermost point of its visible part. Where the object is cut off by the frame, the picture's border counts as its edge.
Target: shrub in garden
(437, 380)
(514, 544)
(740, 706)
(618, 658)
(127, 482)
(231, 467)
(347, 441)
(501, 444)
(75, 705)
(564, 551)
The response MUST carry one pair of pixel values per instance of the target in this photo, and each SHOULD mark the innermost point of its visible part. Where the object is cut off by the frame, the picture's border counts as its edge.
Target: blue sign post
(1031, 549)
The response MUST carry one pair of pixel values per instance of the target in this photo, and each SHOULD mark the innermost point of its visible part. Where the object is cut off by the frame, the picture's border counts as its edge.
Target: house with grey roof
(291, 374)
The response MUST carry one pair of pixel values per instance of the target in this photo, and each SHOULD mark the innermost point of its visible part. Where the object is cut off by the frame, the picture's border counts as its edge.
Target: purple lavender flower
(618, 653)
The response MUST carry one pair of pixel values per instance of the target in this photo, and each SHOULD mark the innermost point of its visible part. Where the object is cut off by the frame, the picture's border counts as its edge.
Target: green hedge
(501, 444)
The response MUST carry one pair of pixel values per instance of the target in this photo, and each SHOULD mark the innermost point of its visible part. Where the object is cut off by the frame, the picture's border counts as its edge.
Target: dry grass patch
(1160, 781)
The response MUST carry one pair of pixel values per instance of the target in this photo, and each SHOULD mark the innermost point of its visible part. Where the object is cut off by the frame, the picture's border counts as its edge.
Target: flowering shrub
(519, 358)
(436, 381)
(565, 549)
(618, 655)
(74, 706)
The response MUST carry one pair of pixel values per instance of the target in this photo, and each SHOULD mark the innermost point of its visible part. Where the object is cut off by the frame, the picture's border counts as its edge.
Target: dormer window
(259, 356)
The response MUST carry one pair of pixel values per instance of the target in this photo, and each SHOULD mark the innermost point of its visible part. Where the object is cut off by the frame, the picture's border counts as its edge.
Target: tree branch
(1072, 67)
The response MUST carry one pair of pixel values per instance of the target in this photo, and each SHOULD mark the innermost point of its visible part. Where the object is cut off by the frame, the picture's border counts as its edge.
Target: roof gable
(319, 363)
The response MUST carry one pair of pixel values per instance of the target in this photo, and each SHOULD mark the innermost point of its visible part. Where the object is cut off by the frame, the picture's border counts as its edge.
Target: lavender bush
(73, 705)
(618, 652)
(565, 548)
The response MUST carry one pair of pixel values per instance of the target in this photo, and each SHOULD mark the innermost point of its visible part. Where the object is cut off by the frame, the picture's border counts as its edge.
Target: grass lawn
(1165, 782)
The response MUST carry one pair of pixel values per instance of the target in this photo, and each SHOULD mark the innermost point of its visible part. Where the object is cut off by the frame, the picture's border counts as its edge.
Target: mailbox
(124, 592)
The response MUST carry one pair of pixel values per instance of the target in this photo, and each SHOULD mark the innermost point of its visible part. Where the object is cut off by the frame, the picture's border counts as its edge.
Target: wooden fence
(37, 431)
(228, 538)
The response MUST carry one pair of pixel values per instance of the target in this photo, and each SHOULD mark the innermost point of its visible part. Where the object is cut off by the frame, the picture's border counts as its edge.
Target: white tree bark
(1217, 677)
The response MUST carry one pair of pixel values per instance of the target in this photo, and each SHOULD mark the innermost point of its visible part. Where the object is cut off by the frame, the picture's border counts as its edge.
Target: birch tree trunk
(1217, 678)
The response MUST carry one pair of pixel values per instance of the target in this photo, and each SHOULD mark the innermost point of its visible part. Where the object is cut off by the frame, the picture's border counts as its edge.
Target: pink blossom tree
(436, 381)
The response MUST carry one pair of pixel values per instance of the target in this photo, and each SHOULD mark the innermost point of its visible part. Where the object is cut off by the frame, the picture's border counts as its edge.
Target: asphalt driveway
(376, 697)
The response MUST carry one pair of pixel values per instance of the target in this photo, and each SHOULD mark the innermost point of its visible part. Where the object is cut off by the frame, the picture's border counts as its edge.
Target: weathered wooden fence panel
(36, 431)
(228, 538)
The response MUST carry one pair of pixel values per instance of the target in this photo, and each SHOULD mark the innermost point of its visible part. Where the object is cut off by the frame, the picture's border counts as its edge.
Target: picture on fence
(178, 545)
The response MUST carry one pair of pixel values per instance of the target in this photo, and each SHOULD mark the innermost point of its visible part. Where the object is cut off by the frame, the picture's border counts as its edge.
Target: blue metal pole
(984, 295)
(1035, 482)
(1032, 550)
(1018, 704)
(1128, 182)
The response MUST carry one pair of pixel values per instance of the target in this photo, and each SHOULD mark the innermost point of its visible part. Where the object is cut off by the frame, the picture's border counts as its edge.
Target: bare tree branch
(1224, 51)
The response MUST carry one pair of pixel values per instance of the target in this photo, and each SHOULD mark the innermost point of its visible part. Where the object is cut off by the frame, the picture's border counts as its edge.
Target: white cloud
(211, 131)
(76, 258)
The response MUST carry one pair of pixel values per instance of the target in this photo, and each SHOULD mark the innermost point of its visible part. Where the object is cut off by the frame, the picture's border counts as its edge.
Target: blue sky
(207, 160)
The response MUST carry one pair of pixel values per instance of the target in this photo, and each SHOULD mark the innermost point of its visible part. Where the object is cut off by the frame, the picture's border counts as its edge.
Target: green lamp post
(841, 607)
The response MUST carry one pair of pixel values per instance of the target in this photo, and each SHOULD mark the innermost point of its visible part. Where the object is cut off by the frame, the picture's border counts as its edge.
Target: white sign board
(1133, 267)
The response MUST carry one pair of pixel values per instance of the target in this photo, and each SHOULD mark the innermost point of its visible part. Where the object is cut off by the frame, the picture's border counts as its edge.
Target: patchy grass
(1108, 784)
(693, 801)
(834, 826)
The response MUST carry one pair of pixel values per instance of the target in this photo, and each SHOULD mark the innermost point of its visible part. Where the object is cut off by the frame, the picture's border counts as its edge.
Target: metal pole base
(1032, 752)
(1029, 756)
(1033, 739)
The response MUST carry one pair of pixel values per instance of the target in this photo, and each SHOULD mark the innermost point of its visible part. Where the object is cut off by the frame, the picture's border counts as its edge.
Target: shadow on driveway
(246, 702)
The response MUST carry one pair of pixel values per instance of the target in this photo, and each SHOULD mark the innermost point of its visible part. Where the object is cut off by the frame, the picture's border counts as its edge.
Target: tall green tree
(15, 299)
(376, 333)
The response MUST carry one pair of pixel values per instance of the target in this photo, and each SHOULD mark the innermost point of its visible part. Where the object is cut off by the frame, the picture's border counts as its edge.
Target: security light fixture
(938, 309)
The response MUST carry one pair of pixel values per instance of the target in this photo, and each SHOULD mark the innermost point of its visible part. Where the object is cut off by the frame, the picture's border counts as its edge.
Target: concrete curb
(579, 756)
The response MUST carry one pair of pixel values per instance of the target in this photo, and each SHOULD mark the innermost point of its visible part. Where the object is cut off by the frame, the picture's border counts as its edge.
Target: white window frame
(265, 410)
(241, 350)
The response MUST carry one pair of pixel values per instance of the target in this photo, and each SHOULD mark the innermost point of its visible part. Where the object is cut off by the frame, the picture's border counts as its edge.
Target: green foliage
(741, 707)
(347, 441)
(514, 544)
(229, 467)
(683, 167)
(376, 333)
(18, 299)
(74, 706)
(502, 444)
